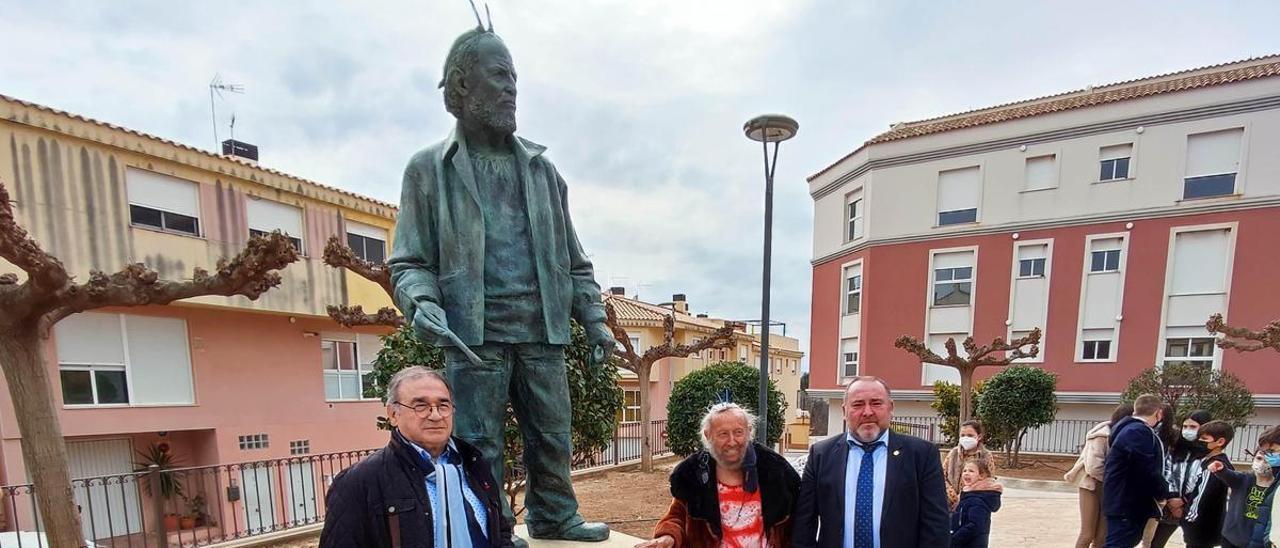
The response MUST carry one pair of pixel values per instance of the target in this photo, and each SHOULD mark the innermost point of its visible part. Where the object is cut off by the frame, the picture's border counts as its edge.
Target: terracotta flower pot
(171, 522)
(187, 522)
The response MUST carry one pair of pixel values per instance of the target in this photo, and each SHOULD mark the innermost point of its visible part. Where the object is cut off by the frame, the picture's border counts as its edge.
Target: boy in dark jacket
(1135, 475)
(979, 498)
(1207, 505)
(1249, 505)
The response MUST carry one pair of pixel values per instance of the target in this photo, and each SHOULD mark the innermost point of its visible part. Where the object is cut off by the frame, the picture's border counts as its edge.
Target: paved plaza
(1043, 519)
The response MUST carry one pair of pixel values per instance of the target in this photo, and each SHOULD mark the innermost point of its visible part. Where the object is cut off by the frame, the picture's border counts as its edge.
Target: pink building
(1116, 218)
(213, 380)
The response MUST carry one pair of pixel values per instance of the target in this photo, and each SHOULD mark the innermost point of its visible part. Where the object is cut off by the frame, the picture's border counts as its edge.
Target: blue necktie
(863, 514)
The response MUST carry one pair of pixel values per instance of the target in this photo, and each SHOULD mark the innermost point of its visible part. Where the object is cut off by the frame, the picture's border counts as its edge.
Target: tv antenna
(216, 87)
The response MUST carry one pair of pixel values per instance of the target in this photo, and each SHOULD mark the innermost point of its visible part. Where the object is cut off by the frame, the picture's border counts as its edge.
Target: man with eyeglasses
(426, 488)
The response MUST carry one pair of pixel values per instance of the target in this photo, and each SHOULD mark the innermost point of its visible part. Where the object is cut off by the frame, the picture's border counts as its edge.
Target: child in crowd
(969, 446)
(1206, 504)
(979, 497)
(1249, 504)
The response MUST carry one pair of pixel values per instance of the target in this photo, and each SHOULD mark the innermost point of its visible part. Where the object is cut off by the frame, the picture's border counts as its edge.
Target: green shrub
(692, 395)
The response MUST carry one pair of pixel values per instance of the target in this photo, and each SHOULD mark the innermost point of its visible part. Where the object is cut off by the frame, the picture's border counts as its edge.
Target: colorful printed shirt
(1257, 494)
(741, 518)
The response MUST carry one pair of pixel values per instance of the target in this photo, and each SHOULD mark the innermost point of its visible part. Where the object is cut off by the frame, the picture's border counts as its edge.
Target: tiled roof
(637, 311)
(170, 142)
(1226, 73)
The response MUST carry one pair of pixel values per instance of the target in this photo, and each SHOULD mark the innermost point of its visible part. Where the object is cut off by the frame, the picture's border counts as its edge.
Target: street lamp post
(769, 128)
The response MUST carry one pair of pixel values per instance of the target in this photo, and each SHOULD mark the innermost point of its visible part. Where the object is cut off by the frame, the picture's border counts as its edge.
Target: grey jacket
(438, 253)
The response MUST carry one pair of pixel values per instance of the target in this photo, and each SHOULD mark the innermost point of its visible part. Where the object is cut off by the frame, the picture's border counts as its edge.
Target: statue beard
(491, 118)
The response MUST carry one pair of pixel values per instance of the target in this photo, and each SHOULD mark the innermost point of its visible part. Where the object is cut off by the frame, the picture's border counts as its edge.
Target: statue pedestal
(616, 540)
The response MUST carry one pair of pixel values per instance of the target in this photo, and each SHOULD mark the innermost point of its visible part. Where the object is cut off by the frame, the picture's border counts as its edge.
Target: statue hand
(601, 341)
(430, 319)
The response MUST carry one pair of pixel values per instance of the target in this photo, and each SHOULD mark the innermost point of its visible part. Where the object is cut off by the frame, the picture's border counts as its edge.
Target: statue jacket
(439, 248)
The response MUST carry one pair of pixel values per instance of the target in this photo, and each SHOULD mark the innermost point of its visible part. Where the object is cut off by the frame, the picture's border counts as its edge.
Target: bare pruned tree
(29, 309)
(338, 255)
(997, 354)
(642, 365)
(1242, 339)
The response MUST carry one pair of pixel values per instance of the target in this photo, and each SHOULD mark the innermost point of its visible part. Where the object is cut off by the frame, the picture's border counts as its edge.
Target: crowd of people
(1141, 477)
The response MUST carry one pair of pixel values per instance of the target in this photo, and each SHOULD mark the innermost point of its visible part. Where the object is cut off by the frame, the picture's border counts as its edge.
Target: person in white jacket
(1087, 474)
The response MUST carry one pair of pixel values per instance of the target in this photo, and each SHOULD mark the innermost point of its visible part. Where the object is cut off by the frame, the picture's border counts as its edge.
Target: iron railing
(1066, 436)
(203, 505)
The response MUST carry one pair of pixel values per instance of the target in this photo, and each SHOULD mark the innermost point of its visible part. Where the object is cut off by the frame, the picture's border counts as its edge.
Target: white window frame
(1048, 280)
(1084, 283)
(928, 297)
(1130, 172)
(972, 279)
(361, 370)
(627, 409)
(170, 179)
(128, 369)
(1057, 172)
(1239, 182)
(1234, 229)
(977, 213)
(849, 290)
(1111, 349)
(845, 360)
(366, 232)
(299, 240)
(1212, 361)
(855, 215)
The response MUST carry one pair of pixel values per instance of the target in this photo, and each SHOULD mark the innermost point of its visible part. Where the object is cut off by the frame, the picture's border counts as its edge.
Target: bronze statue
(486, 264)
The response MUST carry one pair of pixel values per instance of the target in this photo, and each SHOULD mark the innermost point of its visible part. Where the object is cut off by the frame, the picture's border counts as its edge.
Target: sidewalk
(1046, 519)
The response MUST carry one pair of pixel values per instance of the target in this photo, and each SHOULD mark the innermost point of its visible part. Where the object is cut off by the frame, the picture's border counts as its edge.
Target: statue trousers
(533, 377)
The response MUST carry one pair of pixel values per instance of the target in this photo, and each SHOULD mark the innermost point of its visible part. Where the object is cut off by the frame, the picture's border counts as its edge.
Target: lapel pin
(896, 452)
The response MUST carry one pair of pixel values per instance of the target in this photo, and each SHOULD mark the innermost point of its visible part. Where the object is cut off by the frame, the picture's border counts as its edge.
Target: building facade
(644, 324)
(212, 380)
(1117, 219)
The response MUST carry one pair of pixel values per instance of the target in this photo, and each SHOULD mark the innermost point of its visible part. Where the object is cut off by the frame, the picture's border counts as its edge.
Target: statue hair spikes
(461, 56)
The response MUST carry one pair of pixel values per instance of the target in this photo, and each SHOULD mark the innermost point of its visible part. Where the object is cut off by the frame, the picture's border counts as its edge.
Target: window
(742, 354)
(98, 367)
(953, 279)
(630, 406)
(853, 209)
(722, 354)
(1041, 172)
(347, 364)
(160, 201)
(1104, 255)
(254, 441)
(266, 216)
(853, 289)
(696, 355)
(367, 242)
(1200, 260)
(1115, 162)
(1194, 351)
(299, 447)
(849, 354)
(1213, 159)
(958, 195)
(1096, 345)
(635, 344)
(1031, 268)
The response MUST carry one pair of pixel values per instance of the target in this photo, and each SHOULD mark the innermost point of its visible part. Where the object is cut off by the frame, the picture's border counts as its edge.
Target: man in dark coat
(735, 492)
(870, 488)
(425, 489)
(1134, 474)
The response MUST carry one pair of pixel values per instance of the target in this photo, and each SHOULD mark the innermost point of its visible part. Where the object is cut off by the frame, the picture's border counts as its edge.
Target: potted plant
(170, 488)
(195, 513)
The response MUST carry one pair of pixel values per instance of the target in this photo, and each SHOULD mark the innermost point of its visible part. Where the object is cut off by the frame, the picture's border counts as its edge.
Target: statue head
(480, 82)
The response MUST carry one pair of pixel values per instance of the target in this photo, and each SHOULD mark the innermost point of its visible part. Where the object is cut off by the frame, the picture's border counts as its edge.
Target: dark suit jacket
(915, 498)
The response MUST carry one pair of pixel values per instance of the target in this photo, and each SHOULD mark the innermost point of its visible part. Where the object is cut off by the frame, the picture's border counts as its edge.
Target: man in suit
(870, 488)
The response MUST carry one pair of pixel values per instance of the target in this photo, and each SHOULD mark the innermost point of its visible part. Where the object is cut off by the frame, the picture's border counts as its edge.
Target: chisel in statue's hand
(462, 347)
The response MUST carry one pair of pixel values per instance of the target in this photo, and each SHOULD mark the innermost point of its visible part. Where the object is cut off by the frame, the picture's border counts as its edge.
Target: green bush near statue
(734, 381)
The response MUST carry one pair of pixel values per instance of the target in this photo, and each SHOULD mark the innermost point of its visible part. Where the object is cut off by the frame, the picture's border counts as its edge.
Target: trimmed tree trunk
(646, 445)
(43, 450)
(966, 396)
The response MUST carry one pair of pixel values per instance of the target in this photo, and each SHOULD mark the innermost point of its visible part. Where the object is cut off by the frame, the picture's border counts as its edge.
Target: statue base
(617, 539)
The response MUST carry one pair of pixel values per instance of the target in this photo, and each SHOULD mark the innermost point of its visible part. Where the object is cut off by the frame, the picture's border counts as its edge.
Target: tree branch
(628, 354)
(1244, 340)
(249, 274)
(977, 356)
(354, 316)
(45, 273)
(338, 255)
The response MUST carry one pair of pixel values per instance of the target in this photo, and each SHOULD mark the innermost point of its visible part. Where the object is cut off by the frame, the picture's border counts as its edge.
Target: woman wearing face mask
(969, 447)
(1087, 476)
(1252, 494)
(1182, 471)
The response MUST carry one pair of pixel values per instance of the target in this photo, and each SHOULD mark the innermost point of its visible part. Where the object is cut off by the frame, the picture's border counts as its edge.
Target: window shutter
(1214, 153)
(1200, 261)
(90, 338)
(156, 191)
(368, 231)
(1116, 151)
(1041, 173)
(960, 259)
(958, 189)
(266, 215)
(159, 360)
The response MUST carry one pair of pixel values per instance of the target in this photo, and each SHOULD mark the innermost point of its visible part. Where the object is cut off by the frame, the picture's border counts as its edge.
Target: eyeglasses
(423, 410)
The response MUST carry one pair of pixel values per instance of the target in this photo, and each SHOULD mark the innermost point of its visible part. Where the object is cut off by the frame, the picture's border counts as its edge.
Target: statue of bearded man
(485, 256)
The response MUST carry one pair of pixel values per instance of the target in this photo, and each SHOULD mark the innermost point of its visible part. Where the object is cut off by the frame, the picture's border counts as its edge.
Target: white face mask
(968, 442)
(1260, 468)
(1190, 434)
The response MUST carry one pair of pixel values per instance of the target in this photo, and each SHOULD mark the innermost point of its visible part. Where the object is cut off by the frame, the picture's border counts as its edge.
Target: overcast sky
(640, 102)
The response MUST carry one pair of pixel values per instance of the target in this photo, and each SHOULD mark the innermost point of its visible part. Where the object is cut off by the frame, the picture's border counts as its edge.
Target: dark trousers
(1164, 531)
(532, 377)
(1124, 531)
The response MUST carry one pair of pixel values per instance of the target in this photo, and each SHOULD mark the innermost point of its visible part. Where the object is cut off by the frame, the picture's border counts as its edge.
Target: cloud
(640, 103)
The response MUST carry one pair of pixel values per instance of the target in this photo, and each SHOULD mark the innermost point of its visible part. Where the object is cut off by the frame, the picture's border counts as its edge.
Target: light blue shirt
(880, 459)
(453, 457)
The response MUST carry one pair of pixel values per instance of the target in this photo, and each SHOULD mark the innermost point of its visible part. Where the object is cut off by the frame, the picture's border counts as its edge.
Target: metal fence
(1066, 437)
(202, 505)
